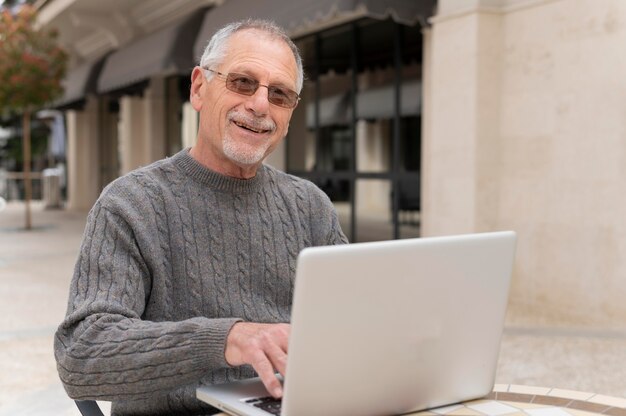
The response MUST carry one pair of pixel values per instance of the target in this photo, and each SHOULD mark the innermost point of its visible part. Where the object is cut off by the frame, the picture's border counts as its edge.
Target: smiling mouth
(251, 128)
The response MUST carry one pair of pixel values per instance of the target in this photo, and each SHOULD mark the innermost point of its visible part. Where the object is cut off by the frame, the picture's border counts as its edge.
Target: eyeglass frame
(225, 76)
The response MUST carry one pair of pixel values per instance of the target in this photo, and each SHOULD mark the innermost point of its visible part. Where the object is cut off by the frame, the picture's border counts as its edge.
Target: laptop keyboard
(269, 404)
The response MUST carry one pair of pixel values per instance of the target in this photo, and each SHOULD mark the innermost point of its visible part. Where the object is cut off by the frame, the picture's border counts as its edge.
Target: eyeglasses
(246, 85)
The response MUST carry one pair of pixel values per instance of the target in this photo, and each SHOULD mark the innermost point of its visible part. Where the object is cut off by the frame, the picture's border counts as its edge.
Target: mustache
(257, 123)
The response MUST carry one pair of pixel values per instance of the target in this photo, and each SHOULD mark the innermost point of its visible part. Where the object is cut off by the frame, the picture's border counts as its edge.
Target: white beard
(242, 153)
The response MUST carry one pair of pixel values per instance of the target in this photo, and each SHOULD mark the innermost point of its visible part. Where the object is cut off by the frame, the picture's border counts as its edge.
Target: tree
(31, 69)
(13, 3)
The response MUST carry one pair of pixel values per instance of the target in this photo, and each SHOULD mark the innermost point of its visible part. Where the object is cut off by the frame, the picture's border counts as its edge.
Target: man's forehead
(268, 50)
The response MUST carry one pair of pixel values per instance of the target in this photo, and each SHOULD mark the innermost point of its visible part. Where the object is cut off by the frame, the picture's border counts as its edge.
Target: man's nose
(258, 102)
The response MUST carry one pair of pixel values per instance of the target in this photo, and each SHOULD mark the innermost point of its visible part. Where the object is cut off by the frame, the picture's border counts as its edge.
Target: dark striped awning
(78, 83)
(304, 17)
(168, 51)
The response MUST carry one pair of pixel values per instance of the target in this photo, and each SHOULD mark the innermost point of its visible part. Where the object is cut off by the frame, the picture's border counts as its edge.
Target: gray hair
(215, 51)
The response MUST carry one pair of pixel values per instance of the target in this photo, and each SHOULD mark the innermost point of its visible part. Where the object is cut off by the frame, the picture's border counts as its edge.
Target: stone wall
(526, 130)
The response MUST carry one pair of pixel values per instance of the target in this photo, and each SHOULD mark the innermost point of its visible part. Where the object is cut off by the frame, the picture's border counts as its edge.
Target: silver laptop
(388, 328)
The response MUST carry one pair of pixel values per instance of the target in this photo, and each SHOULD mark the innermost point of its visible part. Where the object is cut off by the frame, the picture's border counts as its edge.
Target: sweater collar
(195, 170)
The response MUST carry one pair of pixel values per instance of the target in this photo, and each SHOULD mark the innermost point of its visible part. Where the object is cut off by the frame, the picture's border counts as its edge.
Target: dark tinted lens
(241, 84)
(282, 97)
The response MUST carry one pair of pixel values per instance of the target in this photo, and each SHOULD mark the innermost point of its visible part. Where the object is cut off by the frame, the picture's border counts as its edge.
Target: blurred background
(418, 118)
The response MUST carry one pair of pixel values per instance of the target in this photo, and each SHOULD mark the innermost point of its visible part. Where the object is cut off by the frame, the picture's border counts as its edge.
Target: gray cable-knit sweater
(172, 256)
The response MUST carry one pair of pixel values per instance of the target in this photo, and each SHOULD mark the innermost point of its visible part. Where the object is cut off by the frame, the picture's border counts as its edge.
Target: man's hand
(264, 347)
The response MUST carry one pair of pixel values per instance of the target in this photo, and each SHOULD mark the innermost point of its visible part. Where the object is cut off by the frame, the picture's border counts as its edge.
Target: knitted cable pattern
(303, 203)
(132, 288)
(269, 261)
(218, 253)
(80, 285)
(106, 251)
(155, 197)
(336, 236)
(193, 281)
(287, 227)
(243, 256)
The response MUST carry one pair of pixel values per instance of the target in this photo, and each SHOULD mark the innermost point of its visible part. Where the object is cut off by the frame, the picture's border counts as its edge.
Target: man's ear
(195, 93)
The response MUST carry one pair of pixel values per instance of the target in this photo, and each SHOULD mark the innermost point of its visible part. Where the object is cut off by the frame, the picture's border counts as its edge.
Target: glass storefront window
(356, 131)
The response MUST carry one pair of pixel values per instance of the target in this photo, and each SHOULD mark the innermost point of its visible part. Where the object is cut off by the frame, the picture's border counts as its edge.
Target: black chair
(88, 408)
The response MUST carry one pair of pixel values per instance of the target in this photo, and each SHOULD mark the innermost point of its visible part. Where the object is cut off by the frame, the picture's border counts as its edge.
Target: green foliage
(31, 63)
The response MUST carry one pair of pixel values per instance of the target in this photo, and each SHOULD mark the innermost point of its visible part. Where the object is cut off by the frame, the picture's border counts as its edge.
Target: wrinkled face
(238, 131)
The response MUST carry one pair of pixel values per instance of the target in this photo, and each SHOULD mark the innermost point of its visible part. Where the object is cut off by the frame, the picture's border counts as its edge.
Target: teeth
(245, 126)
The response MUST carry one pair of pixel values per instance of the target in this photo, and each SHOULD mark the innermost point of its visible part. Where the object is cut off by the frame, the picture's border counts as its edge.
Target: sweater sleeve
(335, 233)
(104, 349)
(324, 218)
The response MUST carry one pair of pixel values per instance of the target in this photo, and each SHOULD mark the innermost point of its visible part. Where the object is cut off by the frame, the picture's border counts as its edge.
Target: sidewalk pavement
(36, 267)
(35, 271)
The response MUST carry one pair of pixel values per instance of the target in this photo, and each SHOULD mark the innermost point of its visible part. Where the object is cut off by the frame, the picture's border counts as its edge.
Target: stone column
(189, 125)
(133, 149)
(460, 143)
(155, 120)
(83, 156)
(142, 128)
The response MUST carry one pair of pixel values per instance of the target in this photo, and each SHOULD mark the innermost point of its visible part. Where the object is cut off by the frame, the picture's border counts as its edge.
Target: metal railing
(10, 188)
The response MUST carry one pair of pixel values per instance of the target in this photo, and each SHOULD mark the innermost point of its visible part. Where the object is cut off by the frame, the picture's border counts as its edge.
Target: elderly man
(186, 269)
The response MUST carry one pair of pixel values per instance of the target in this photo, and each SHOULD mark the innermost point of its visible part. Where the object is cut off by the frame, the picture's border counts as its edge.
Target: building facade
(418, 118)
(524, 129)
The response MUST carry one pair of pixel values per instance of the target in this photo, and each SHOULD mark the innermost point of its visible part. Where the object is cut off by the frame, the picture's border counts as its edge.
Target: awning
(79, 82)
(304, 17)
(333, 111)
(371, 104)
(165, 52)
(379, 102)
